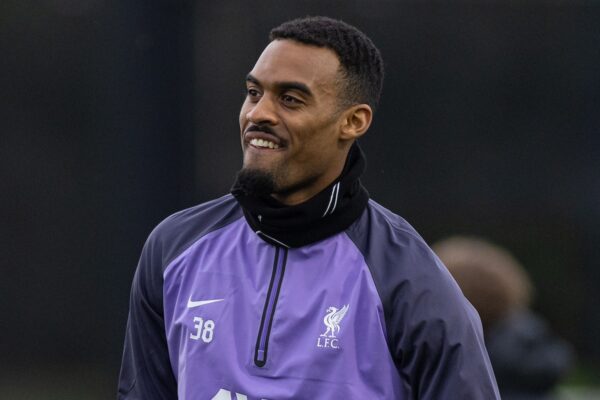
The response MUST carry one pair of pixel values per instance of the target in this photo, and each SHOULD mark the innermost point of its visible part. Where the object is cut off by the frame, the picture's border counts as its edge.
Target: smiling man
(297, 285)
(295, 129)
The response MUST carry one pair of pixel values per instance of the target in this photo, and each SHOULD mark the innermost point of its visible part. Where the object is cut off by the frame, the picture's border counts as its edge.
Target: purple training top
(368, 313)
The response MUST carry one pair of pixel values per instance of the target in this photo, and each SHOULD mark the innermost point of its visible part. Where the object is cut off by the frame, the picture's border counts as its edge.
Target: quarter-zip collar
(331, 211)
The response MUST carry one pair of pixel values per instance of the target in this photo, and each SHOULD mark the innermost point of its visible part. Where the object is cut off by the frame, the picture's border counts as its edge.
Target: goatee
(254, 182)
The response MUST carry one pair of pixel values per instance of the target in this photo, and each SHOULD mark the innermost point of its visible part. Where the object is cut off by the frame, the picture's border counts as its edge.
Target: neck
(308, 191)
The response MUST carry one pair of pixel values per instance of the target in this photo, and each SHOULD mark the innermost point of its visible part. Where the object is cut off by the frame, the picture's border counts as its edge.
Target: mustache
(261, 128)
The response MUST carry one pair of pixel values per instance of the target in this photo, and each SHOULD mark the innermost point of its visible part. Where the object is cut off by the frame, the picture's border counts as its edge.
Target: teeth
(264, 143)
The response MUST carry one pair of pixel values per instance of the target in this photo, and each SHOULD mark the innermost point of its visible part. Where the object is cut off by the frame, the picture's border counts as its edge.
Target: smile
(265, 144)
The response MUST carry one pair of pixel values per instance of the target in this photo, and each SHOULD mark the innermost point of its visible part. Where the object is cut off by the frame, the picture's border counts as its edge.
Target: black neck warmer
(331, 211)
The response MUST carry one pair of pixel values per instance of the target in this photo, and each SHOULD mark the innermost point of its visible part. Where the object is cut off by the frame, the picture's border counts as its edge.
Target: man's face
(290, 119)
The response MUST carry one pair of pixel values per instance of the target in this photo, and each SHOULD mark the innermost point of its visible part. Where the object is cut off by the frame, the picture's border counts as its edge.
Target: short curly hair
(361, 62)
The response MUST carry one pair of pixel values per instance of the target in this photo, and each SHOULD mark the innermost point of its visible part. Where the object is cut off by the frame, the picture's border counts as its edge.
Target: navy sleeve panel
(146, 372)
(145, 369)
(434, 334)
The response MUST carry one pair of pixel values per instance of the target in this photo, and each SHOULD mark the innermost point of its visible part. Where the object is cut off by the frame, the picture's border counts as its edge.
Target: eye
(252, 93)
(290, 100)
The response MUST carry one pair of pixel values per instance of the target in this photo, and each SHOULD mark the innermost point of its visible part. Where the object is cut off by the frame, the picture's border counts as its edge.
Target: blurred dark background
(115, 114)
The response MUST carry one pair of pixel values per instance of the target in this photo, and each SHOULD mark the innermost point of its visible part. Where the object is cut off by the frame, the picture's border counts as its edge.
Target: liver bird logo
(332, 320)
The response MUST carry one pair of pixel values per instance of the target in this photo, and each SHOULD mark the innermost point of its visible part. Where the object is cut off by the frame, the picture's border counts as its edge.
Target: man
(297, 286)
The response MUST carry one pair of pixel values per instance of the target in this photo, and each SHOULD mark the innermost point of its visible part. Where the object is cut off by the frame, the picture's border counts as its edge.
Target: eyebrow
(291, 85)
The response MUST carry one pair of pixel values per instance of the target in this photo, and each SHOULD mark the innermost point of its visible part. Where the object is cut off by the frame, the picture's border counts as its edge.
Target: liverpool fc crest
(332, 321)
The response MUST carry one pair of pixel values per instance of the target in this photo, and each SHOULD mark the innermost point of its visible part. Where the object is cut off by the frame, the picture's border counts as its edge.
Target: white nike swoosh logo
(192, 304)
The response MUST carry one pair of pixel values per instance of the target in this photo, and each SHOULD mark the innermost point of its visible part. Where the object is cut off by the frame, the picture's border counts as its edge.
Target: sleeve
(437, 338)
(434, 335)
(146, 372)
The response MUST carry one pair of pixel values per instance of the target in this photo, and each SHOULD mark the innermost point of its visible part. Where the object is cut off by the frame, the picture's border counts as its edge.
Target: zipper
(266, 321)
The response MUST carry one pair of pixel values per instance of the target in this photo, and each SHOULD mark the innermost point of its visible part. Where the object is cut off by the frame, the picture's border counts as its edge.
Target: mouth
(263, 144)
(262, 140)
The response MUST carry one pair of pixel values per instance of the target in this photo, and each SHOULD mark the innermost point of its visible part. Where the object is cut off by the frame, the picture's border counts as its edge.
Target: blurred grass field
(81, 382)
(85, 382)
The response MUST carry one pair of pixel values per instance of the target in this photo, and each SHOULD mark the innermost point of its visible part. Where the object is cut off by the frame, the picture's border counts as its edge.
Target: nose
(262, 112)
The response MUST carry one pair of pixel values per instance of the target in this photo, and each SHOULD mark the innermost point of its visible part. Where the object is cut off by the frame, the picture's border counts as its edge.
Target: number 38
(204, 330)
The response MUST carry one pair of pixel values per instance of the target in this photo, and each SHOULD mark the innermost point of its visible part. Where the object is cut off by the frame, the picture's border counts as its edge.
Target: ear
(356, 121)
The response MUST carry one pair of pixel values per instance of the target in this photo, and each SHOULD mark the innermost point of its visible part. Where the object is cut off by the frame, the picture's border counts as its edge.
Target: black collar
(331, 211)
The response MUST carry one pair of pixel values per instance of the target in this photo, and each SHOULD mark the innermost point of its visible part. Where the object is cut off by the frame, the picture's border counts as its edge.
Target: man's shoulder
(380, 228)
(181, 229)
(201, 216)
(385, 216)
(396, 254)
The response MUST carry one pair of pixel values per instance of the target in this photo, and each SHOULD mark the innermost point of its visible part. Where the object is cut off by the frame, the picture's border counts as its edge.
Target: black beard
(255, 182)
